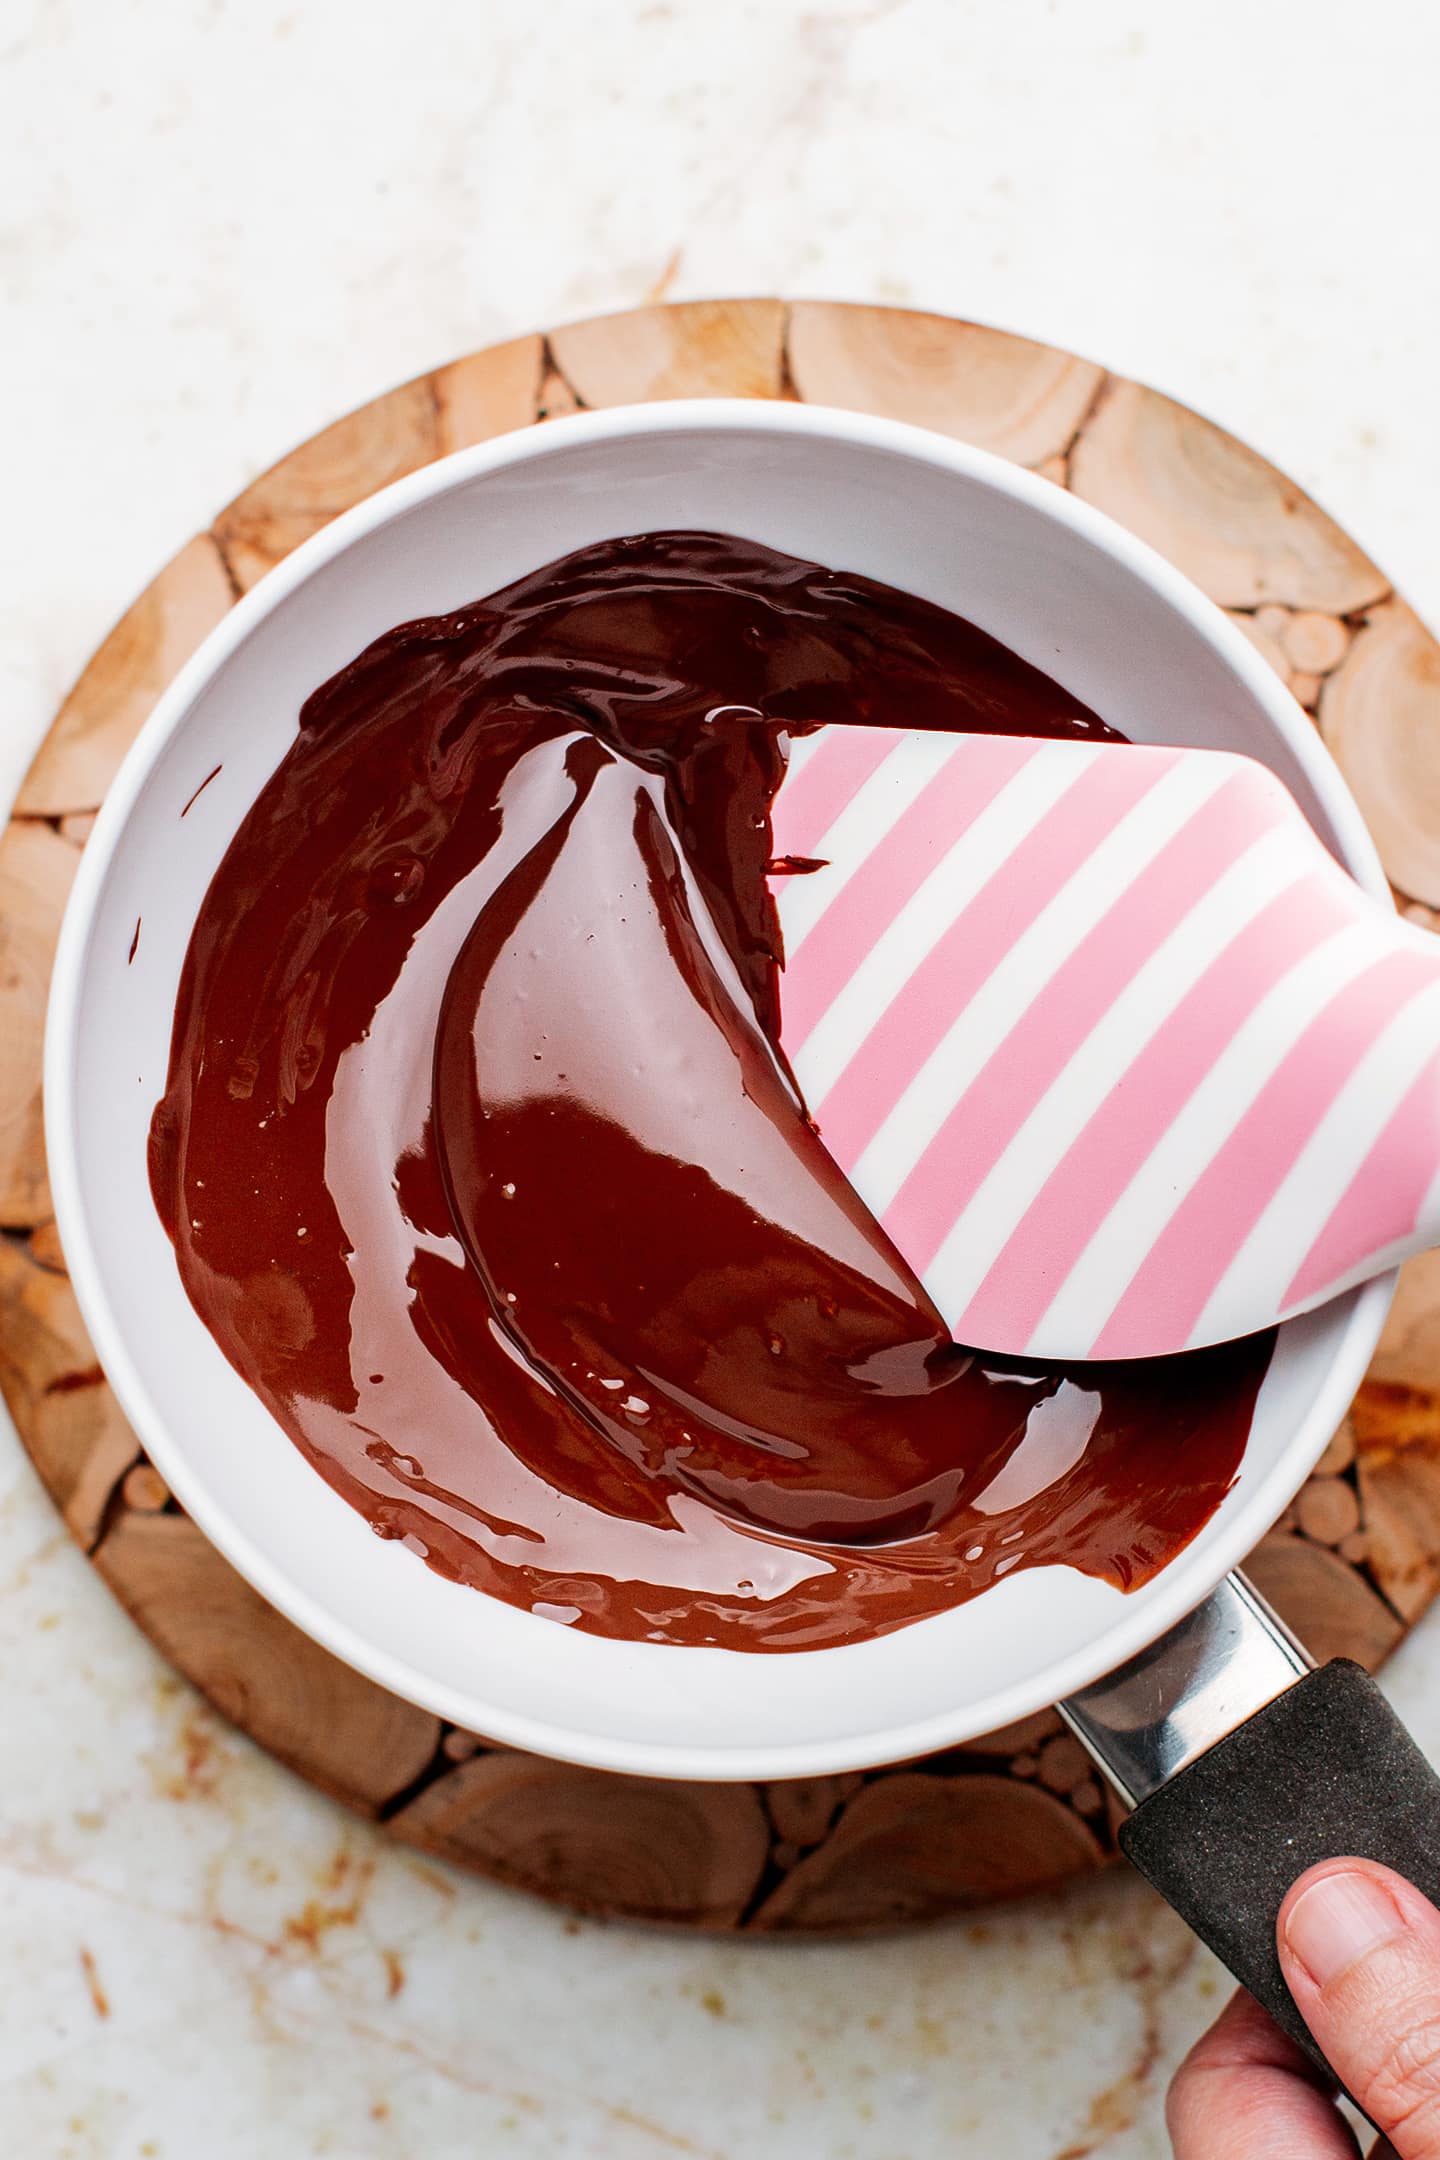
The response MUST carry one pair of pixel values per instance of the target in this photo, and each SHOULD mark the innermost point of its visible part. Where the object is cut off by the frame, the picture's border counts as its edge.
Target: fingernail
(1337, 1921)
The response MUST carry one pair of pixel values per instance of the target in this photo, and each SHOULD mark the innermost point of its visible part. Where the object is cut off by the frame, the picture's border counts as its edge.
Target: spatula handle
(1323, 1769)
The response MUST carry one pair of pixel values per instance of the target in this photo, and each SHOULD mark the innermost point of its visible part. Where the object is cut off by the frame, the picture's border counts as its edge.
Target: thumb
(1360, 1948)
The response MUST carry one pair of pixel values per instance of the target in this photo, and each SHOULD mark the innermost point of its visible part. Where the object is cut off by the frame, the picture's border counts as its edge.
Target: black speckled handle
(1324, 1770)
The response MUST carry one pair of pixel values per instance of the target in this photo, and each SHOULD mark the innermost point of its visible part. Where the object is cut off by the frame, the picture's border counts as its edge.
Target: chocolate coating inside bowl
(484, 1168)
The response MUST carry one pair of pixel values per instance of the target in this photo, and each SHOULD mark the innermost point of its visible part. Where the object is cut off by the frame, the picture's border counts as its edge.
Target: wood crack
(789, 388)
(552, 372)
(439, 1766)
(1097, 398)
(237, 590)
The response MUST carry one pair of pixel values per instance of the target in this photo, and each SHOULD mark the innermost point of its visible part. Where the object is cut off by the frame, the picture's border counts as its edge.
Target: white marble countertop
(222, 224)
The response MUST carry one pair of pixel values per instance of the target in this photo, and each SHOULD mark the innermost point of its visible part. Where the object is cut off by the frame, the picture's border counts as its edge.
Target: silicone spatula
(1119, 1056)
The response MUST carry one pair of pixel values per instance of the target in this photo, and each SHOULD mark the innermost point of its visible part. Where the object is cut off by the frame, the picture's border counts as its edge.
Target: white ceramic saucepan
(1060, 585)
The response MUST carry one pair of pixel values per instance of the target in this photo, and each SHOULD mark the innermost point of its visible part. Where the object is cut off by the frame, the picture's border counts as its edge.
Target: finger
(1246, 2092)
(1360, 1949)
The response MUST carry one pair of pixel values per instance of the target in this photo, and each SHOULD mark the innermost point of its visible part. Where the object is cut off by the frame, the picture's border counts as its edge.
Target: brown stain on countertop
(93, 1984)
(527, 2104)
(343, 1889)
(190, 1764)
(1149, 1971)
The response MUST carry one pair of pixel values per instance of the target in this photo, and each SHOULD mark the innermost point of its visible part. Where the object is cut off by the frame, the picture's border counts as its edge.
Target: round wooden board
(1355, 1561)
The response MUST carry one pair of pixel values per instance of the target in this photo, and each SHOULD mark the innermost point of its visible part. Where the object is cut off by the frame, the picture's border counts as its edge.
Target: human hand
(1360, 1948)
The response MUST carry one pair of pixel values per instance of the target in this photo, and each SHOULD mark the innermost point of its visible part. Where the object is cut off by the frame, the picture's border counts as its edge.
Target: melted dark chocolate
(484, 1168)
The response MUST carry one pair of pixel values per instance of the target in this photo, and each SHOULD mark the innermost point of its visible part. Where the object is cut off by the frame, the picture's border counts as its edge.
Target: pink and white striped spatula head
(1117, 1053)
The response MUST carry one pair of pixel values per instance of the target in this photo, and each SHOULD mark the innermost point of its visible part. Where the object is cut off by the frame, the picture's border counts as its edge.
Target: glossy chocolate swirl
(484, 1167)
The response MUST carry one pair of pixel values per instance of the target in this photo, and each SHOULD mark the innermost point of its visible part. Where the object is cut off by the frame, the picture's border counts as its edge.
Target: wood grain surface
(1355, 1560)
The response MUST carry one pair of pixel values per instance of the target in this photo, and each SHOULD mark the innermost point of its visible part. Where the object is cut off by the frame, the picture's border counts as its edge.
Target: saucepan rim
(1181, 1585)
